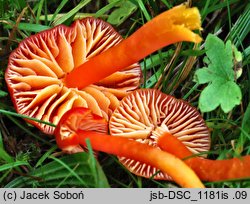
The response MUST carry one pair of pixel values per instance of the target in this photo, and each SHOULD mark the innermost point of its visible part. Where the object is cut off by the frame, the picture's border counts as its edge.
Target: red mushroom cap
(144, 114)
(36, 71)
(79, 125)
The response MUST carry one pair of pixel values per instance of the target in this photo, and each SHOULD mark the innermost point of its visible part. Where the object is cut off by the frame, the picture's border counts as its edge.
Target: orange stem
(172, 26)
(207, 170)
(120, 146)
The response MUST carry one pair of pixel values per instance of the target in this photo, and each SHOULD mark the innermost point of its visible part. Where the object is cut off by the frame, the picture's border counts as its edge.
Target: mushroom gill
(144, 114)
(79, 126)
(37, 68)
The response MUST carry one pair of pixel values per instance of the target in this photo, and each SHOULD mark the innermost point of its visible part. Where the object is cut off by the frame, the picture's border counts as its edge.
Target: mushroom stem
(78, 124)
(172, 26)
(121, 146)
(206, 169)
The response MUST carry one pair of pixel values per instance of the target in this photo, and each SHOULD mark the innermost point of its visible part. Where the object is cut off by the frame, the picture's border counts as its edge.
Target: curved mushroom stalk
(37, 68)
(91, 57)
(77, 119)
(77, 125)
(207, 170)
(143, 113)
(172, 26)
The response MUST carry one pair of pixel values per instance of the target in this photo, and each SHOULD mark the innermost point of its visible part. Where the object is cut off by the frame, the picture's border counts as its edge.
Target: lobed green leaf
(220, 76)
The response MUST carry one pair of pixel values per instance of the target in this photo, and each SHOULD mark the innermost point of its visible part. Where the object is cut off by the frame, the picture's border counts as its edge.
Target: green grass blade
(1, 141)
(167, 4)
(4, 175)
(71, 171)
(29, 132)
(245, 133)
(190, 91)
(241, 28)
(45, 156)
(144, 10)
(5, 112)
(74, 170)
(31, 27)
(5, 156)
(39, 10)
(221, 5)
(204, 10)
(156, 60)
(106, 8)
(66, 177)
(71, 13)
(12, 165)
(59, 8)
(92, 160)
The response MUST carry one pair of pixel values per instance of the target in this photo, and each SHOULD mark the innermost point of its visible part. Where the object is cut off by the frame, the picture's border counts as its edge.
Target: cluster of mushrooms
(85, 79)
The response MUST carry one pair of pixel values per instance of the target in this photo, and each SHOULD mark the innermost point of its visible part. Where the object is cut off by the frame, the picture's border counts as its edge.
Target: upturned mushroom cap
(144, 114)
(74, 120)
(79, 126)
(36, 71)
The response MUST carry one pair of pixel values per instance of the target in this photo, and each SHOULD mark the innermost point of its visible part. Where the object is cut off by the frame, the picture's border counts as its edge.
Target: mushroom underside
(36, 71)
(144, 115)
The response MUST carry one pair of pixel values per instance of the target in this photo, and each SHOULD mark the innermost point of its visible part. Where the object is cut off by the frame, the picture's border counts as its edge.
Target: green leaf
(70, 171)
(220, 76)
(209, 98)
(204, 75)
(237, 54)
(119, 15)
(220, 56)
(230, 96)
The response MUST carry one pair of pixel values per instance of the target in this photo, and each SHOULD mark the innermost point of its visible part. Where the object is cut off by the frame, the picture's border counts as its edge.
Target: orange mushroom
(152, 117)
(80, 124)
(143, 114)
(171, 26)
(37, 67)
(80, 66)
(206, 169)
